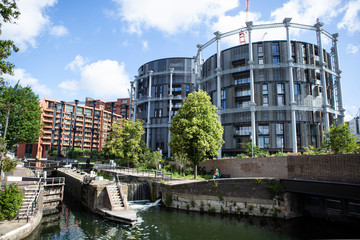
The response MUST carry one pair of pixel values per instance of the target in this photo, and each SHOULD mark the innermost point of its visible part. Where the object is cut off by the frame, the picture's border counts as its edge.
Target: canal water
(155, 222)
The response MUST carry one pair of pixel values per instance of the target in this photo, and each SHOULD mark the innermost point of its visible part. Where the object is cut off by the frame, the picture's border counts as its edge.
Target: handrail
(110, 198)
(34, 200)
(124, 200)
(54, 181)
(154, 173)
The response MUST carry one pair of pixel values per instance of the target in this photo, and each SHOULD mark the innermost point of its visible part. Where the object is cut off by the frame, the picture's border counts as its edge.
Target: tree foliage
(124, 140)
(339, 139)
(9, 12)
(196, 132)
(10, 201)
(20, 105)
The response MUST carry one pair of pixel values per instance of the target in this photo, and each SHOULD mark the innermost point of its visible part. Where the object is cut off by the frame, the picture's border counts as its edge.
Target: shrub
(10, 201)
(280, 154)
(242, 155)
(312, 150)
(8, 164)
(274, 187)
(168, 199)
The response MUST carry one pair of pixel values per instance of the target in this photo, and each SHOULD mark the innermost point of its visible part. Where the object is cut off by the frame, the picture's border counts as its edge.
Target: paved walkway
(9, 226)
(172, 181)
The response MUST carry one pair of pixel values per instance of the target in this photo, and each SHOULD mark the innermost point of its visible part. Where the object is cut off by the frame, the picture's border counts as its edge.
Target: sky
(72, 49)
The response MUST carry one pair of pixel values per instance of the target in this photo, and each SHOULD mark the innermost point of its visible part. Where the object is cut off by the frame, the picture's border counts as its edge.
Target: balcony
(243, 93)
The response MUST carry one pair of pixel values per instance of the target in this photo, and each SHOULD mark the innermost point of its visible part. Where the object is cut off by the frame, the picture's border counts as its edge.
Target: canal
(155, 222)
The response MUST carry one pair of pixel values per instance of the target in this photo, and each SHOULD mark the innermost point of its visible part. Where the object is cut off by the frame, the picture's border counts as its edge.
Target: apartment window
(297, 91)
(280, 94)
(159, 91)
(243, 130)
(158, 112)
(69, 108)
(187, 89)
(279, 135)
(304, 54)
(276, 52)
(264, 138)
(265, 96)
(241, 80)
(223, 99)
(124, 101)
(260, 54)
(88, 111)
(293, 51)
(243, 91)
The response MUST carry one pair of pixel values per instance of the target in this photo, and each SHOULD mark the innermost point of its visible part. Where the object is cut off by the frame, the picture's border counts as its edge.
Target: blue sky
(91, 48)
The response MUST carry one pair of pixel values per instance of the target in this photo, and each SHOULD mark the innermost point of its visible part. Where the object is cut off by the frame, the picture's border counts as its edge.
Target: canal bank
(74, 222)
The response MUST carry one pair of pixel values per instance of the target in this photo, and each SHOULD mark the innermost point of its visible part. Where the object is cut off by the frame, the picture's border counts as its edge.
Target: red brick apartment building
(73, 125)
(120, 106)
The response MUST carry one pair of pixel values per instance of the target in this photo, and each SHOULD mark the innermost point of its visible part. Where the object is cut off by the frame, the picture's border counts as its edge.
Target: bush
(280, 154)
(148, 159)
(8, 164)
(10, 201)
(242, 155)
(312, 150)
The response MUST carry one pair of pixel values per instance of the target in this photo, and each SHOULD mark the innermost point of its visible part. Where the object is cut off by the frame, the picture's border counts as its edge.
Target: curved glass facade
(280, 94)
(272, 95)
(159, 90)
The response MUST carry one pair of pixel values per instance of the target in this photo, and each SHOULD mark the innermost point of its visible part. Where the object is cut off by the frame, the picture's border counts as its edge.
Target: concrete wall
(336, 168)
(92, 195)
(234, 196)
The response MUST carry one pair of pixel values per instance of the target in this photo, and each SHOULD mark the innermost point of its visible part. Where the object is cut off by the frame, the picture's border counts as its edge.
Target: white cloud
(170, 16)
(145, 45)
(351, 19)
(31, 23)
(301, 11)
(77, 64)
(59, 31)
(70, 85)
(27, 80)
(307, 11)
(104, 79)
(351, 48)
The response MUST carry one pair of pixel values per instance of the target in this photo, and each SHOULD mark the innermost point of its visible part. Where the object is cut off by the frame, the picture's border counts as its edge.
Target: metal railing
(145, 173)
(55, 181)
(32, 206)
(134, 171)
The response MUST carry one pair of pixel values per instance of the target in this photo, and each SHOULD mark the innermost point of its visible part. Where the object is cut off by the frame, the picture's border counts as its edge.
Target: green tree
(74, 154)
(196, 132)
(124, 140)
(339, 139)
(148, 159)
(9, 12)
(20, 116)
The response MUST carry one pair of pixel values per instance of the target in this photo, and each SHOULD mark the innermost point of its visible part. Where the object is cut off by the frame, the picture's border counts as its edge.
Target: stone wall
(233, 196)
(335, 168)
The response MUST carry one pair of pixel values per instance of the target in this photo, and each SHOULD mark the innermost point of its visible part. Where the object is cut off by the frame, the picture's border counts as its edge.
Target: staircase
(29, 197)
(115, 198)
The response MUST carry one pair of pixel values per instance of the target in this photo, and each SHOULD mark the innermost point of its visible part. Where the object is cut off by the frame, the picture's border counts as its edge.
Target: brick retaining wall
(334, 168)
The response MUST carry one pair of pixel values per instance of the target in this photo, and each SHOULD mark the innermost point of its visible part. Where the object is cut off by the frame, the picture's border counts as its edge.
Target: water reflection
(154, 222)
